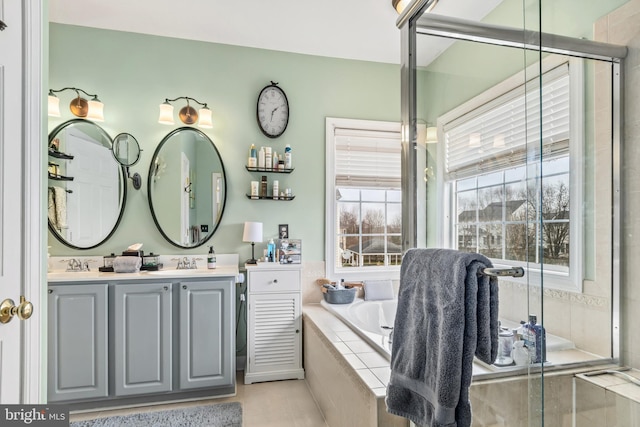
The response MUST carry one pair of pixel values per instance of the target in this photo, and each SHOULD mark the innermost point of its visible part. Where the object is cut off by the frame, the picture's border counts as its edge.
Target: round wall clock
(272, 111)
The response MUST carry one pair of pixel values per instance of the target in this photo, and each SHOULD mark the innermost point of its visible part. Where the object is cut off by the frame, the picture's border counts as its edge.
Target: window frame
(547, 278)
(333, 271)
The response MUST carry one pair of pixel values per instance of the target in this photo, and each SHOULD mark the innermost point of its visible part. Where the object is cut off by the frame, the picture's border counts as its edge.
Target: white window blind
(366, 159)
(506, 130)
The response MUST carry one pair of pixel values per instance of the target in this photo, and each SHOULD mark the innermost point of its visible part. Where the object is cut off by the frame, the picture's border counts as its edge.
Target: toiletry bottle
(268, 160)
(253, 157)
(211, 258)
(276, 188)
(287, 157)
(529, 338)
(275, 160)
(255, 189)
(541, 338)
(261, 158)
(271, 250)
(263, 186)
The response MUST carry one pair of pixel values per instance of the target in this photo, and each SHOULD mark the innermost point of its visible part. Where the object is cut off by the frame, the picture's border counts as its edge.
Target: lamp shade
(205, 118)
(54, 106)
(96, 111)
(252, 232)
(166, 114)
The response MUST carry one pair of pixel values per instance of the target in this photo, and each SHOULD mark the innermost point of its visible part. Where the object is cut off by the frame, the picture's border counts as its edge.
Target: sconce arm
(188, 98)
(76, 89)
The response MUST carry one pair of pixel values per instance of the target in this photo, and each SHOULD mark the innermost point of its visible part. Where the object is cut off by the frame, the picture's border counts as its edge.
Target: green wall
(134, 73)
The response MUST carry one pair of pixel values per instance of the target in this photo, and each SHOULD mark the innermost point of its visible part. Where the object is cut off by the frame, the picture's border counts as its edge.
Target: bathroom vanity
(128, 338)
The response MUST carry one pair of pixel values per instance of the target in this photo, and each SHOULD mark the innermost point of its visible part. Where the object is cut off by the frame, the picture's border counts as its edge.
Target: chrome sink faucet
(74, 264)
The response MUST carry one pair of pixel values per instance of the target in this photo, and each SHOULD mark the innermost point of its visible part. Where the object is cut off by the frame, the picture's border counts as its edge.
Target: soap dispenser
(211, 258)
(271, 251)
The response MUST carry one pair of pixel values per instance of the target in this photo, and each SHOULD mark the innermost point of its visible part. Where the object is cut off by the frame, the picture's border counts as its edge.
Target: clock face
(272, 111)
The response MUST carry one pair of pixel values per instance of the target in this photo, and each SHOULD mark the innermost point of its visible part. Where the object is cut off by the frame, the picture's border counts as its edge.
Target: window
(509, 191)
(364, 203)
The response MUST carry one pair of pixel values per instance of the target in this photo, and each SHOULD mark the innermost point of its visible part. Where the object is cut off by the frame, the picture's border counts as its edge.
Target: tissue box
(340, 296)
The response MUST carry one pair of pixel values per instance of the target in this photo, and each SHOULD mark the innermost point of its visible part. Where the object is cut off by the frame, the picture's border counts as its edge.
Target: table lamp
(252, 233)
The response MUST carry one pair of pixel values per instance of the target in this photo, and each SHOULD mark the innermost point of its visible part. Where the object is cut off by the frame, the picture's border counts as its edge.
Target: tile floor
(268, 404)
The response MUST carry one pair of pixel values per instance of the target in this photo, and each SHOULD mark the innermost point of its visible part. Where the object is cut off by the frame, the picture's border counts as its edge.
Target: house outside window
(509, 191)
(364, 209)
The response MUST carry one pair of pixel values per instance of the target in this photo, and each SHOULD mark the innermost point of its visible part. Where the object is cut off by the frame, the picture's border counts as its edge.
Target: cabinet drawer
(274, 281)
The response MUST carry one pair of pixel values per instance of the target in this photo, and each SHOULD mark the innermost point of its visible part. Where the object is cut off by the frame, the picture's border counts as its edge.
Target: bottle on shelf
(263, 186)
(252, 162)
(287, 157)
(261, 158)
(276, 188)
(268, 159)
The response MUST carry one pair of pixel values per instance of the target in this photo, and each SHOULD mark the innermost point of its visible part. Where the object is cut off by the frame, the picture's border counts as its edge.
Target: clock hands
(272, 112)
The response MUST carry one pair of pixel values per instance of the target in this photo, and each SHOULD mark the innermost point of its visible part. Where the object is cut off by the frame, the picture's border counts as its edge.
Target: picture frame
(283, 231)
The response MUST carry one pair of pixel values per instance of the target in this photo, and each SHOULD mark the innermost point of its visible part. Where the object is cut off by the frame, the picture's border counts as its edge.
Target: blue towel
(447, 313)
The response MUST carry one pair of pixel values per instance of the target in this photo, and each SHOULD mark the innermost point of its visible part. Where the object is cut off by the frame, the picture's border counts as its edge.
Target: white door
(21, 204)
(94, 190)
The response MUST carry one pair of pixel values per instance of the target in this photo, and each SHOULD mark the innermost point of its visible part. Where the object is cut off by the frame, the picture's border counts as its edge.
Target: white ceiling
(353, 29)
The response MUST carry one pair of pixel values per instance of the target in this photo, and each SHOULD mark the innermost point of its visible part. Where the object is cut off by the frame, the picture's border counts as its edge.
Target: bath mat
(216, 415)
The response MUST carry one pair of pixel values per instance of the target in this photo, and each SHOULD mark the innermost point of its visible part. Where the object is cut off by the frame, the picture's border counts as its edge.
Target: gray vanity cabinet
(142, 338)
(207, 344)
(78, 334)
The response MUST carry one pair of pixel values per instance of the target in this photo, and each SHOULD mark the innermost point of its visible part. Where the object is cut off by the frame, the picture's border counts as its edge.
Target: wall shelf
(284, 198)
(60, 155)
(269, 170)
(60, 177)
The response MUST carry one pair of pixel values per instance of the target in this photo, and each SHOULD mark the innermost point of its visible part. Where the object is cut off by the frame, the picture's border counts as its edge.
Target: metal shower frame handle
(502, 272)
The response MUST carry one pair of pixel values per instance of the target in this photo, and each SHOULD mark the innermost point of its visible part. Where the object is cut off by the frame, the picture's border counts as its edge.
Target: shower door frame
(414, 21)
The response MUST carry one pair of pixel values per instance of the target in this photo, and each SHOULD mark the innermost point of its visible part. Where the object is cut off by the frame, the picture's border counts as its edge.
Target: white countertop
(227, 266)
(93, 276)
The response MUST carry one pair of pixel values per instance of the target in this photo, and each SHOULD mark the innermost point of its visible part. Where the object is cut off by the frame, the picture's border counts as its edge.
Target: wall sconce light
(79, 106)
(399, 5)
(426, 134)
(188, 115)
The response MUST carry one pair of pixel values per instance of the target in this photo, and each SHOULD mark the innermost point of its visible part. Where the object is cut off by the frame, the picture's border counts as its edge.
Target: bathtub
(373, 322)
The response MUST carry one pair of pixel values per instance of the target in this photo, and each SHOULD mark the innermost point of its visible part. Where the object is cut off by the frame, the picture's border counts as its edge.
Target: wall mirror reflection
(87, 188)
(187, 187)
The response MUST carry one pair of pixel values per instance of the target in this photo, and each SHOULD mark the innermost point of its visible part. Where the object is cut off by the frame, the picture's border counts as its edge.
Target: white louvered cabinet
(274, 323)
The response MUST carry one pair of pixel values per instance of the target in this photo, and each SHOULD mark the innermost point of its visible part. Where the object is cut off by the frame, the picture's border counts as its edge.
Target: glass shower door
(515, 158)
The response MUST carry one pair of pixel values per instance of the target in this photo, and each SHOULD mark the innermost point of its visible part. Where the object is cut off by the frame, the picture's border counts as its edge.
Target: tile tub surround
(346, 375)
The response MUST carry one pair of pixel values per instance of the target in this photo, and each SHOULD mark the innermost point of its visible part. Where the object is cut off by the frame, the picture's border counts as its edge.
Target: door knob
(8, 309)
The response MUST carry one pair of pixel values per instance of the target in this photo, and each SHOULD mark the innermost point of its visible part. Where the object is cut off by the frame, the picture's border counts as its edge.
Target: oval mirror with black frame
(87, 188)
(187, 187)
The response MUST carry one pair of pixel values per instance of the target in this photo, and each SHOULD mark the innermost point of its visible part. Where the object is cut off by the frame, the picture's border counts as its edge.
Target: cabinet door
(77, 354)
(274, 337)
(207, 342)
(142, 318)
